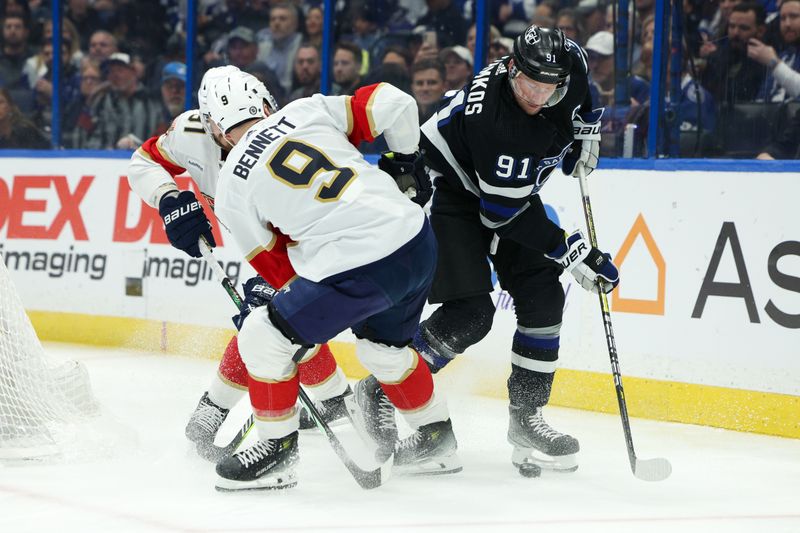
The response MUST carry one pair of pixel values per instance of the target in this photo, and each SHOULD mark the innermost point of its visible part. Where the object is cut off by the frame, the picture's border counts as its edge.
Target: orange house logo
(635, 305)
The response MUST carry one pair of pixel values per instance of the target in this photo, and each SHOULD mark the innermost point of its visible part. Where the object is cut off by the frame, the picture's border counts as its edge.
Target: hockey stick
(367, 479)
(657, 469)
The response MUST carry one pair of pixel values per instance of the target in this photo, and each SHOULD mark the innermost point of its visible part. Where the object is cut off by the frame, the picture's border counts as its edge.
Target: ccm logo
(194, 206)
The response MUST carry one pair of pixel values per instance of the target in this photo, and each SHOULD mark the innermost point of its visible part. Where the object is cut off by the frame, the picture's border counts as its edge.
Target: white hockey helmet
(237, 98)
(211, 76)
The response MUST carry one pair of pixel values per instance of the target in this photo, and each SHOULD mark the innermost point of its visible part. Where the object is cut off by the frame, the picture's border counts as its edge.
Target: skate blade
(554, 463)
(436, 466)
(277, 481)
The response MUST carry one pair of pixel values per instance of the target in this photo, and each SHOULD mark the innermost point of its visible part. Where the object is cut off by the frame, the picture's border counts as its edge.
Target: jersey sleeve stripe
(348, 106)
(273, 267)
(154, 152)
(272, 261)
(368, 111)
(360, 108)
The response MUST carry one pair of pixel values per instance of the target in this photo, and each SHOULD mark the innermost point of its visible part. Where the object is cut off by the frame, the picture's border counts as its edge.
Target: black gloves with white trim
(185, 222)
(408, 170)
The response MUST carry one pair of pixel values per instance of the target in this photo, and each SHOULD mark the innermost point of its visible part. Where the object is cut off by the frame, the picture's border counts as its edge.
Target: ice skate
(373, 415)
(205, 422)
(333, 411)
(266, 465)
(536, 442)
(430, 450)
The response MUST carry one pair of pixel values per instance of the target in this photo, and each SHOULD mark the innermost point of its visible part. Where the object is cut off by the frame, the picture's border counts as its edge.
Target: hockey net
(42, 400)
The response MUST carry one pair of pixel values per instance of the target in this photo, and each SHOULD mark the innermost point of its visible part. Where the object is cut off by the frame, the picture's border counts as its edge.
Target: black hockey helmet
(542, 55)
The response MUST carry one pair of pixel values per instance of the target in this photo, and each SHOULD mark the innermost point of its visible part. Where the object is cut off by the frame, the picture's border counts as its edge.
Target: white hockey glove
(586, 148)
(588, 265)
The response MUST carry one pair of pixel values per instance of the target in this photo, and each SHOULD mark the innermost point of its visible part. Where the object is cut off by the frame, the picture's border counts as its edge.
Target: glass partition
(718, 79)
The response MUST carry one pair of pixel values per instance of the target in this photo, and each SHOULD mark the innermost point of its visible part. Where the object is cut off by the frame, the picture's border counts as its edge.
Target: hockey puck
(529, 470)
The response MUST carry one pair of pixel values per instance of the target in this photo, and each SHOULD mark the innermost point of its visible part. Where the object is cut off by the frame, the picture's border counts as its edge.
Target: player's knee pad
(266, 352)
(452, 328)
(539, 305)
(461, 323)
(389, 364)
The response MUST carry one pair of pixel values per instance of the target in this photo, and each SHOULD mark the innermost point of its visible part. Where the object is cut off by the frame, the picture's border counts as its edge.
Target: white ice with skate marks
(722, 480)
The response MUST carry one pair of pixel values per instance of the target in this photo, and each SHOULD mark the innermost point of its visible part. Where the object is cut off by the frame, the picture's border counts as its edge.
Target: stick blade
(657, 469)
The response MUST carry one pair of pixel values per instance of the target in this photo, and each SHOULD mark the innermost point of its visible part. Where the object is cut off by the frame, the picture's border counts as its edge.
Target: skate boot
(205, 422)
(333, 411)
(430, 450)
(536, 442)
(373, 416)
(266, 465)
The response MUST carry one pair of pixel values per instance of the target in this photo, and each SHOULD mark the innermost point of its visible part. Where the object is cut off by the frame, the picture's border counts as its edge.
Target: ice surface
(722, 480)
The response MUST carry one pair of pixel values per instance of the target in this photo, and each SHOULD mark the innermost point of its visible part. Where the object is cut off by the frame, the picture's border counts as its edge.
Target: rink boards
(706, 317)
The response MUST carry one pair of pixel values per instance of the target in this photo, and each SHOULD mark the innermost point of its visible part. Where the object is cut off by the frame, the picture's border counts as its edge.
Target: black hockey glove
(408, 170)
(257, 292)
(591, 267)
(185, 222)
(586, 148)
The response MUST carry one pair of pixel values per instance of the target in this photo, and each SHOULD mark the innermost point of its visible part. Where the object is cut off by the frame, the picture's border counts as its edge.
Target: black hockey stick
(367, 479)
(657, 469)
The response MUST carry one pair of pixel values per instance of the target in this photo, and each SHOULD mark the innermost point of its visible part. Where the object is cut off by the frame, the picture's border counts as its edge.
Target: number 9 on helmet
(210, 78)
(237, 98)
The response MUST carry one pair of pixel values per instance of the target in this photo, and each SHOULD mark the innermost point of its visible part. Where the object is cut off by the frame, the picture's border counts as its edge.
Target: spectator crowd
(124, 76)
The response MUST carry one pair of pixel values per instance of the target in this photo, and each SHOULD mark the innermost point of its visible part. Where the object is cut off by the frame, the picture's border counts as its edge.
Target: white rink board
(684, 212)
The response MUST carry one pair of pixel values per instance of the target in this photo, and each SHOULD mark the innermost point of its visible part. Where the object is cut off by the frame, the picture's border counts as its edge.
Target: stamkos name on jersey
(477, 91)
(258, 144)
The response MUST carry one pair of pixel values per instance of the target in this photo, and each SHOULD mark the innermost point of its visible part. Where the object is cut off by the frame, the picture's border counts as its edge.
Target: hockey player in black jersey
(491, 147)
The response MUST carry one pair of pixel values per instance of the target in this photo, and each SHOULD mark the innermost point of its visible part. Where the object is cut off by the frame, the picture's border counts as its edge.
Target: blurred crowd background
(728, 73)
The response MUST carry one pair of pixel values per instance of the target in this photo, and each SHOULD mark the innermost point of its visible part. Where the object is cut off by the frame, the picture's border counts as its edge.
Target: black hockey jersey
(483, 142)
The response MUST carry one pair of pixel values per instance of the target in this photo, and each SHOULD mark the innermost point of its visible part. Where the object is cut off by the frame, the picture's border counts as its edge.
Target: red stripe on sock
(232, 367)
(414, 391)
(275, 398)
(319, 368)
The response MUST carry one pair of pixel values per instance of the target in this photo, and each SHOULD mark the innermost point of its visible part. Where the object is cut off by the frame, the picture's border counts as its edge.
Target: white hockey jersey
(185, 147)
(298, 171)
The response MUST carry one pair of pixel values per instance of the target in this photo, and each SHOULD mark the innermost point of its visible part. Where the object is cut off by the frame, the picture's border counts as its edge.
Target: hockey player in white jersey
(364, 256)
(188, 146)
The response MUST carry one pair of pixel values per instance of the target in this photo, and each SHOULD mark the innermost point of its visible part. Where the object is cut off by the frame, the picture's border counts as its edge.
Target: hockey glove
(408, 170)
(185, 222)
(587, 264)
(257, 292)
(586, 148)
